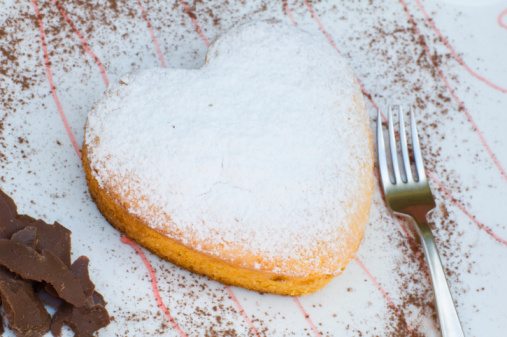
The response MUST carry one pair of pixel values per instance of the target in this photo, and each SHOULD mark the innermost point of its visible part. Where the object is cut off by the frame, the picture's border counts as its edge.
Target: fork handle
(450, 325)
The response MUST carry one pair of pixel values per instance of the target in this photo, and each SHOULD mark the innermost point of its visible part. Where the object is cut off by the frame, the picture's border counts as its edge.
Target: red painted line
(50, 79)
(83, 40)
(453, 94)
(197, 27)
(240, 308)
(368, 95)
(145, 16)
(316, 18)
(289, 12)
(500, 19)
(462, 208)
(453, 52)
(314, 329)
(386, 296)
(161, 305)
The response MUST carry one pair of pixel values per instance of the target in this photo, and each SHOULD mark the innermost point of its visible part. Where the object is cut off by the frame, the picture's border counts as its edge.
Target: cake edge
(194, 261)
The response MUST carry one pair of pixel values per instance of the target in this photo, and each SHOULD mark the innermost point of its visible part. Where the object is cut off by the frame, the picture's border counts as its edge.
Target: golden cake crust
(192, 260)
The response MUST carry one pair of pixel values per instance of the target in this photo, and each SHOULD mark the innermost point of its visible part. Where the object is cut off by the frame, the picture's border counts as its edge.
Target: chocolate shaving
(55, 238)
(99, 299)
(83, 321)
(80, 270)
(24, 310)
(47, 267)
(1, 322)
(9, 221)
(48, 299)
(27, 237)
(36, 269)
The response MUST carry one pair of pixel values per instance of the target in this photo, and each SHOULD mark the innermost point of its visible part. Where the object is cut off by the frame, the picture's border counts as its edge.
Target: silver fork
(412, 198)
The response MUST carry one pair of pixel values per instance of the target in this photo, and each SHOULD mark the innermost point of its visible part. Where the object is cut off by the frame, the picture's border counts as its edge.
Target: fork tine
(394, 151)
(419, 165)
(381, 151)
(404, 148)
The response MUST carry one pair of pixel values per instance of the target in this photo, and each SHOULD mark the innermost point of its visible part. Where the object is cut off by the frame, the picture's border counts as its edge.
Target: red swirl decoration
(501, 23)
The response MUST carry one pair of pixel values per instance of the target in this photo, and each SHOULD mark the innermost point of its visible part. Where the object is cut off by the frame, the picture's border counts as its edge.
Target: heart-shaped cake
(255, 170)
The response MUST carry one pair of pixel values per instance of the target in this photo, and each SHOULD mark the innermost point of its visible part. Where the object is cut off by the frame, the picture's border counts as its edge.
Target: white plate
(385, 291)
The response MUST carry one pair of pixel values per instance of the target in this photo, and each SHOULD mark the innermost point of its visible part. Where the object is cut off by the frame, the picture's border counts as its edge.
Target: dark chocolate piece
(55, 238)
(48, 299)
(80, 269)
(99, 299)
(35, 259)
(46, 267)
(9, 222)
(83, 321)
(24, 310)
(28, 237)
(1, 321)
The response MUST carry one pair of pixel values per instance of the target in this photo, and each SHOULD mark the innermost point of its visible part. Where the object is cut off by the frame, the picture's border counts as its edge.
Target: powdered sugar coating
(265, 151)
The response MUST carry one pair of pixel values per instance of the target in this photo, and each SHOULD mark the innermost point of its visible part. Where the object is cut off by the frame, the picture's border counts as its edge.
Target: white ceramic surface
(460, 96)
